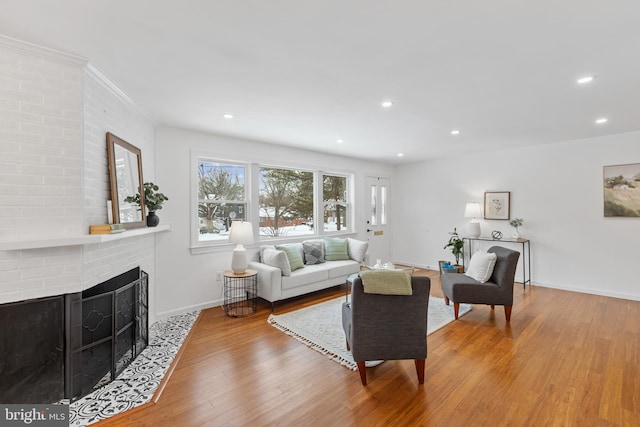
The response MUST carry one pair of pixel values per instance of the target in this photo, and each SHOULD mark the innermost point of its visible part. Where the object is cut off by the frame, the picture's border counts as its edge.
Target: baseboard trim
(599, 292)
(203, 306)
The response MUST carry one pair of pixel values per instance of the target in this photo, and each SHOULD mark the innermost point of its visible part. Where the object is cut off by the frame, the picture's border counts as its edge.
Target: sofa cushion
(342, 268)
(313, 251)
(357, 249)
(293, 255)
(481, 266)
(276, 258)
(305, 276)
(335, 249)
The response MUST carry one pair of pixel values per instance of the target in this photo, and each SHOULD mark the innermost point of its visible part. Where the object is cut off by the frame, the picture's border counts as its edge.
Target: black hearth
(68, 345)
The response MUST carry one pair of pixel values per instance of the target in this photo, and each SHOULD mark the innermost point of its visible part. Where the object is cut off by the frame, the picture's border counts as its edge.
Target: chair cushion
(293, 255)
(481, 266)
(335, 249)
(276, 258)
(313, 251)
(386, 282)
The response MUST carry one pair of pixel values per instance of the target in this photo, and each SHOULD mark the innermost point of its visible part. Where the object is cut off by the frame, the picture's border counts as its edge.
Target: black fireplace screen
(108, 328)
(68, 345)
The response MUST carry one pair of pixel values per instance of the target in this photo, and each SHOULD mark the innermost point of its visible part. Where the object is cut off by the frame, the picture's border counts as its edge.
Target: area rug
(320, 326)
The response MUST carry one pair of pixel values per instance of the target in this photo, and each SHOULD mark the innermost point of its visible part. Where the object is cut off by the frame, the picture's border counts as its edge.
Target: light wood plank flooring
(565, 359)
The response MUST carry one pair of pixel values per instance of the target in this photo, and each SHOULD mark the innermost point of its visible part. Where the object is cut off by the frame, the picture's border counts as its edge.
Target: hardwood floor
(565, 359)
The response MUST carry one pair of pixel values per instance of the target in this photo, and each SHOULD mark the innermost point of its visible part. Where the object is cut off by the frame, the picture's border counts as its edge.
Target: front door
(377, 219)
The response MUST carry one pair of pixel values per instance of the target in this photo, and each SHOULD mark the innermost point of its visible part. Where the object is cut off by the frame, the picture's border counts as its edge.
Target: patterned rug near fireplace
(320, 326)
(139, 381)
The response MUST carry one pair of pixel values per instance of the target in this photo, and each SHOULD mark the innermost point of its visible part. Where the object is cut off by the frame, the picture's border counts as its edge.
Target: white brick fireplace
(55, 111)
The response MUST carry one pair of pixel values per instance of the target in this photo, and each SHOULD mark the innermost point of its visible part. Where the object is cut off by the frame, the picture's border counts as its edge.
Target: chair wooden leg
(348, 346)
(363, 372)
(420, 370)
(507, 312)
(456, 309)
(446, 300)
(492, 306)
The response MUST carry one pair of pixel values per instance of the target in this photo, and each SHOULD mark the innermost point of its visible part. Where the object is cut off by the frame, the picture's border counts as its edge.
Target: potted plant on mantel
(456, 245)
(153, 200)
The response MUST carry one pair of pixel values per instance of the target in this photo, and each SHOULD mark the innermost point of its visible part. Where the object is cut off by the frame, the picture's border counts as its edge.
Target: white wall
(557, 189)
(186, 281)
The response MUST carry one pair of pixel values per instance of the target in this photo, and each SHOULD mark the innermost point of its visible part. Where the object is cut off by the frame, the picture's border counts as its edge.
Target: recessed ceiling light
(228, 116)
(585, 79)
(602, 120)
(339, 141)
(455, 132)
(400, 154)
(387, 104)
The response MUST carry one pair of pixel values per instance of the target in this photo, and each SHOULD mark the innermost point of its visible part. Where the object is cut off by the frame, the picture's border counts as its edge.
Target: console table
(526, 252)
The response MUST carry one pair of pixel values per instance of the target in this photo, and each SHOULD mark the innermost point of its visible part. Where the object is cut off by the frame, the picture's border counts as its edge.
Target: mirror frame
(112, 141)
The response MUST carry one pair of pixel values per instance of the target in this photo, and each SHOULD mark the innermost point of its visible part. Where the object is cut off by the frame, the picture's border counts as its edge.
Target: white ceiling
(305, 73)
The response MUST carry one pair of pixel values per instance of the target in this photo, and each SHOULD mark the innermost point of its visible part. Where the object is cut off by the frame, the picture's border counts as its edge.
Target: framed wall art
(621, 185)
(497, 205)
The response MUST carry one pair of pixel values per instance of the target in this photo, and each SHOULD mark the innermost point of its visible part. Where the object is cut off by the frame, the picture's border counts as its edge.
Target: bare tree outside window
(286, 202)
(221, 198)
(335, 202)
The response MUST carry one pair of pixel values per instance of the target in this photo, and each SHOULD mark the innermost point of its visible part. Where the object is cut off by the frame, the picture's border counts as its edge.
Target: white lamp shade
(473, 210)
(241, 233)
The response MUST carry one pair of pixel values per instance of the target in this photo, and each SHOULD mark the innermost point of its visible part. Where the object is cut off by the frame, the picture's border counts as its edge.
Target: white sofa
(277, 282)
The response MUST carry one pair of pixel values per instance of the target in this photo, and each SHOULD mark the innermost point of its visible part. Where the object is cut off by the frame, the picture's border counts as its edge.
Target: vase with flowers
(515, 223)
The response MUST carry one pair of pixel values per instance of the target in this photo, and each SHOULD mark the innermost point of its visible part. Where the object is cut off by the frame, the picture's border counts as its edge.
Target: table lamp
(241, 233)
(474, 211)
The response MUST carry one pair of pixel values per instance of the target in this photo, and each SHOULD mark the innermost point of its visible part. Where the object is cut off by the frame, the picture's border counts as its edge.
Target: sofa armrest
(269, 281)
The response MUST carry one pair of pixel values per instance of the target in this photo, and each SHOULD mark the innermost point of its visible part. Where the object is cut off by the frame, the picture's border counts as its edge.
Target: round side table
(240, 293)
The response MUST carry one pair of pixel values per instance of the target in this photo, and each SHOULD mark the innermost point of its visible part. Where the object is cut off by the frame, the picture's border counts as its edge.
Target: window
(335, 203)
(222, 198)
(280, 202)
(286, 202)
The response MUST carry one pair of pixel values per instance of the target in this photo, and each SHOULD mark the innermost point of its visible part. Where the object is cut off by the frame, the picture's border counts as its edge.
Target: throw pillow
(335, 249)
(295, 260)
(313, 251)
(262, 249)
(276, 258)
(357, 249)
(481, 266)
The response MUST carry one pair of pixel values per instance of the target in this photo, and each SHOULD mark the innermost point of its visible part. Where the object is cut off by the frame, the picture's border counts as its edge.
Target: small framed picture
(497, 205)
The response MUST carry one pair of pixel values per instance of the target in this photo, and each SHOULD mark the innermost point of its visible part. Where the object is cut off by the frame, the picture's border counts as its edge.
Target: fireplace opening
(68, 345)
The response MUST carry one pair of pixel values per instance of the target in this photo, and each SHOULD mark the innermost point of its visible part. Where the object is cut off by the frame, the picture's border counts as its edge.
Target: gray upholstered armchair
(498, 290)
(387, 327)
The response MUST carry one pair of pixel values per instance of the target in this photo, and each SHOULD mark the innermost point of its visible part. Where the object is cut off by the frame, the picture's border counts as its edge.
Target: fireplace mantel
(87, 239)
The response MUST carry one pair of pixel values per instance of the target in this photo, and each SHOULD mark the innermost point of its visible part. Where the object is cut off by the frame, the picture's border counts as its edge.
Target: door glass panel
(374, 219)
(383, 205)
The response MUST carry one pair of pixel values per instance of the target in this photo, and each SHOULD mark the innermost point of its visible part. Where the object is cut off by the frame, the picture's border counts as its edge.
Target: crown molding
(41, 51)
(98, 76)
(76, 61)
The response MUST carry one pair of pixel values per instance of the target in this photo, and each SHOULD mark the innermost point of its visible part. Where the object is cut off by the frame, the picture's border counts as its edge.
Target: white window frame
(252, 202)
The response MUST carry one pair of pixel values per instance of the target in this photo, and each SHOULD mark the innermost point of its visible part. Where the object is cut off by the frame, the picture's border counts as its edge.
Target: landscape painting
(622, 190)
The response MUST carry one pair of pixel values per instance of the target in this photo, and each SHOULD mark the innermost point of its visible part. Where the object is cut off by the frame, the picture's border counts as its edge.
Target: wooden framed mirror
(125, 176)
